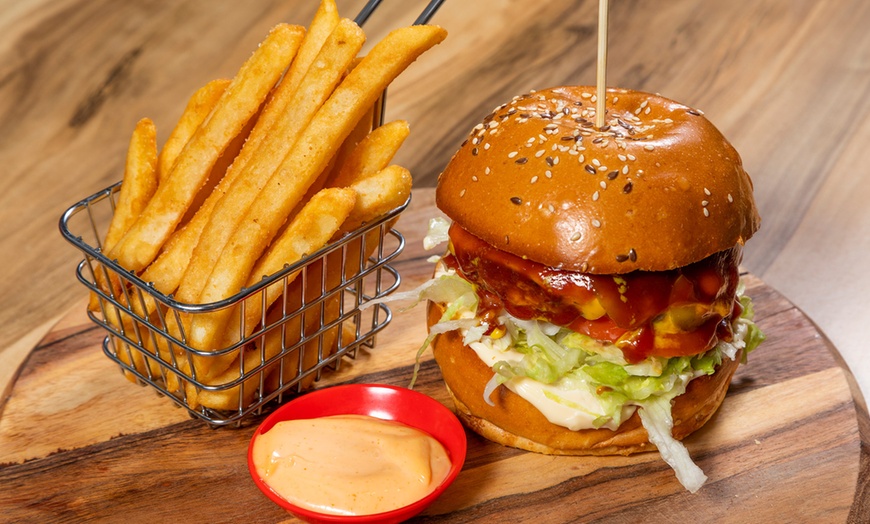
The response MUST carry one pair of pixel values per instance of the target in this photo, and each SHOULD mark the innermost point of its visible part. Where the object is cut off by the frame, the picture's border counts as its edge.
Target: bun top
(657, 187)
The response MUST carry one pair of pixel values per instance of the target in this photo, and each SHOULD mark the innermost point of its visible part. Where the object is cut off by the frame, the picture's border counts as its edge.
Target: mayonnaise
(349, 464)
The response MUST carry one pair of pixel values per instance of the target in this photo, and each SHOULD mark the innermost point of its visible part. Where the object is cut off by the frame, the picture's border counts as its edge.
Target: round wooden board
(79, 442)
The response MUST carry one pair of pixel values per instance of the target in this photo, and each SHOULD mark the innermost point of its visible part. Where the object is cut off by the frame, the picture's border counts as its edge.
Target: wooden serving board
(80, 442)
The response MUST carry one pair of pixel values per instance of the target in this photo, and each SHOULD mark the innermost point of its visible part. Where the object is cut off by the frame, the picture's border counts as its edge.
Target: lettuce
(655, 415)
(571, 366)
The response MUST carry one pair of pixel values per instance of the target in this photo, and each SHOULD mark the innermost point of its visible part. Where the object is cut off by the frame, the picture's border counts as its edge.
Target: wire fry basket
(317, 321)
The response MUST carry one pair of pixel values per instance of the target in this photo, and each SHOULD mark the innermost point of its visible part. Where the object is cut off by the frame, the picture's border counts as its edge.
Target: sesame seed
(589, 169)
(646, 111)
(581, 158)
(549, 161)
(602, 168)
(621, 157)
(586, 95)
(631, 157)
(475, 140)
(603, 184)
(624, 170)
(632, 255)
(704, 203)
(486, 146)
(462, 193)
(612, 175)
(512, 154)
(730, 198)
(596, 162)
(575, 237)
(707, 192)
(596, 223)
(487, 171)
(540, 153)
(516, 200)
(551, 208)
(706, 212)
(644, 104)
(534, 179)
(627, 188)
(621, 258)
(474, 151)
(595, 196)
(474, 178)
(649, 147)
(548, 174)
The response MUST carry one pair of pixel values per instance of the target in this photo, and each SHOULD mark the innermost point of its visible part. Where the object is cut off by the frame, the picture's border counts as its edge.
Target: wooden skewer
(601, 77)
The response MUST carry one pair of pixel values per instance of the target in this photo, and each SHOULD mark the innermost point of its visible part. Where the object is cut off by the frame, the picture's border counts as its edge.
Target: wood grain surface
(785, 80)
(79, 442)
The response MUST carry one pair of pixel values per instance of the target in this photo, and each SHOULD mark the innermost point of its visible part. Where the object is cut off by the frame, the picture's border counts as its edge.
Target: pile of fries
(260, 171)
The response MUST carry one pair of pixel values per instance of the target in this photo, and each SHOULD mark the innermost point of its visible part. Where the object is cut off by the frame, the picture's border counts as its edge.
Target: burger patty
(683, 311)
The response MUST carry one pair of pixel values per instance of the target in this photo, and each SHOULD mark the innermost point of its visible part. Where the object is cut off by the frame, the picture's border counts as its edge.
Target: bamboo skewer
(601, 76)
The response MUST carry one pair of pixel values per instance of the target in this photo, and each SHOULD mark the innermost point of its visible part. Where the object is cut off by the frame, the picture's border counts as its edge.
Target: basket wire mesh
(317, 321)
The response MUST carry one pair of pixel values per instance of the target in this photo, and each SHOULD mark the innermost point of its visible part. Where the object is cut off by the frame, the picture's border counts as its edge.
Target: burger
(589, 301)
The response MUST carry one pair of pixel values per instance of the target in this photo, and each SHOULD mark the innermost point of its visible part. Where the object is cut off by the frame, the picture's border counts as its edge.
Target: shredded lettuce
(655, 415)
(572, 367)
(437, 234)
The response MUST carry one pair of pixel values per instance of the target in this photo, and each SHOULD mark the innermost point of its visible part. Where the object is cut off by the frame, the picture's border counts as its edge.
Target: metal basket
(317, 321)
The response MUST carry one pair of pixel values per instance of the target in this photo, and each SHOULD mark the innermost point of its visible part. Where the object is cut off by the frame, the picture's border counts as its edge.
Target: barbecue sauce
(682, 311)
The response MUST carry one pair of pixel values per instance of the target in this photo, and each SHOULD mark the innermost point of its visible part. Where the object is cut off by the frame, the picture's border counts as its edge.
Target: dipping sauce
(349, 464)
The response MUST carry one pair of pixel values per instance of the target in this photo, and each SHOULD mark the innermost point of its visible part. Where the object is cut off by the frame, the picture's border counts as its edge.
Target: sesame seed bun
(514, 422)
(658, 187)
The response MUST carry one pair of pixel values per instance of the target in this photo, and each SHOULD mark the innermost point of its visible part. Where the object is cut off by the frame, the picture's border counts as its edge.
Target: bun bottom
(515, 422)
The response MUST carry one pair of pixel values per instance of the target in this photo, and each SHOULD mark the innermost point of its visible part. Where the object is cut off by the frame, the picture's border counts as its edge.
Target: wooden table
(785, 80)
(80, 442)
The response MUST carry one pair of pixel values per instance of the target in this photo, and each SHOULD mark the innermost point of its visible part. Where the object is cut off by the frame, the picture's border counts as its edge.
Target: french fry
(378, 194)
(309, 156)
(198, 108)
(220, 170)
(325, 20)
(339, 50)
(168, 269)
(137, 188)
(377, 203)
(309, 231)
(237, 105)
(372, 154)
(363, 127)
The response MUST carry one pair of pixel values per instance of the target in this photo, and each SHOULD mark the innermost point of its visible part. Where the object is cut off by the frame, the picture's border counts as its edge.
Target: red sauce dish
(385, 402)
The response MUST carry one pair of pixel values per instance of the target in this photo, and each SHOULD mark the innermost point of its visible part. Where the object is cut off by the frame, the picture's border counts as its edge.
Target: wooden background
(786, 80)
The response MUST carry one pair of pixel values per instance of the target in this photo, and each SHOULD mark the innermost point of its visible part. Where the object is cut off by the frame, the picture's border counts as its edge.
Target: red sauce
(683, 311)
